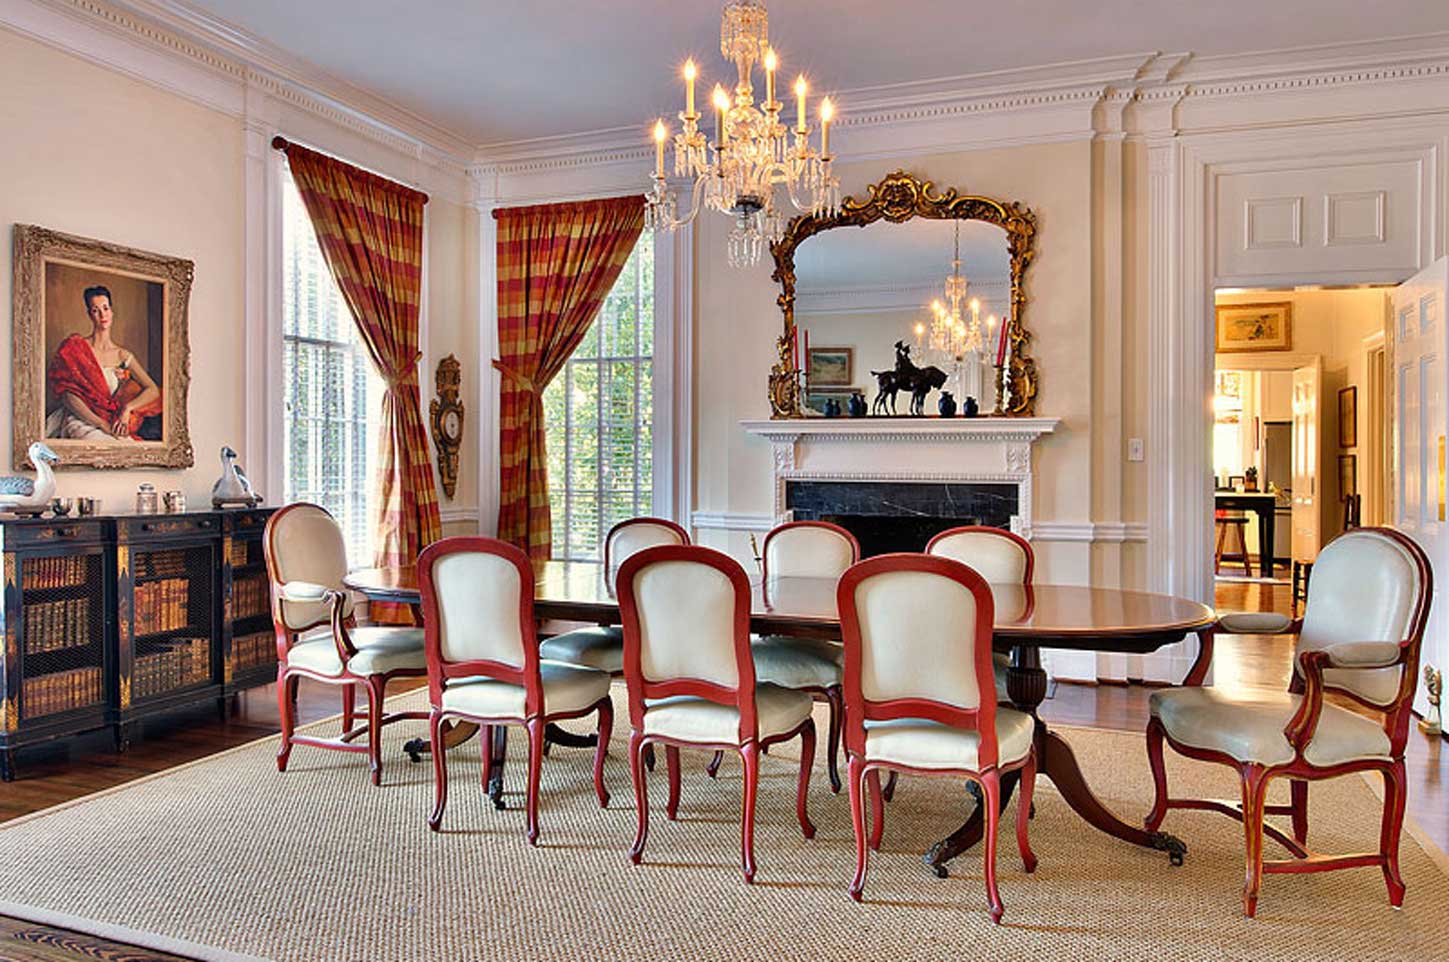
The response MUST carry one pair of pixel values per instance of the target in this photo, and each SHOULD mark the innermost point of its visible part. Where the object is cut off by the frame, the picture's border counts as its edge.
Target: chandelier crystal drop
(753, 155)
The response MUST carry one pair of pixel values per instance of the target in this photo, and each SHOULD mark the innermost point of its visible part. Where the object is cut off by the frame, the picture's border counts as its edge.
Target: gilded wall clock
(447, 417)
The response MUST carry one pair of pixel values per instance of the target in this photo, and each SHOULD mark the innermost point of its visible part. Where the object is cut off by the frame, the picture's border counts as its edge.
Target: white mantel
(945, 450)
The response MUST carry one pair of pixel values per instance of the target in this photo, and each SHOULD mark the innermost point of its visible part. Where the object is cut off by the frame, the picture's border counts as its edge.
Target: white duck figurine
(232, 488)
(31, 495)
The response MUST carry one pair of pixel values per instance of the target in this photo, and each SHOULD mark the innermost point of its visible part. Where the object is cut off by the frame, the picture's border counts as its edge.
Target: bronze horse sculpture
(919, 381)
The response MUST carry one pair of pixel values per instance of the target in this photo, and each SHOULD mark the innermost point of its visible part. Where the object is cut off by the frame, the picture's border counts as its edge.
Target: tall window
(330, 388)
(599, 415)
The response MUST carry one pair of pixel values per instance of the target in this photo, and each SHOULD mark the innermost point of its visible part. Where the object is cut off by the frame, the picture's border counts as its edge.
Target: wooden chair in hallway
(1234, 524)
(306, 561)
(1359, 638)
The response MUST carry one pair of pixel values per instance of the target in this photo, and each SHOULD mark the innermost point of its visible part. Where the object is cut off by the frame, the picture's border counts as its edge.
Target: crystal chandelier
(952, 332)
(752, 153)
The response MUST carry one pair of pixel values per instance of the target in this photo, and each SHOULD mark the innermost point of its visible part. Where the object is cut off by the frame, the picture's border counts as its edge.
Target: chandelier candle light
(953, 335)
(753, 153)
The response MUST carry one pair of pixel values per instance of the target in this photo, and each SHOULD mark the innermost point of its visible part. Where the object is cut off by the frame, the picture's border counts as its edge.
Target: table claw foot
(414, 749)
(495, 793)
(1175, 847)
(936, 859)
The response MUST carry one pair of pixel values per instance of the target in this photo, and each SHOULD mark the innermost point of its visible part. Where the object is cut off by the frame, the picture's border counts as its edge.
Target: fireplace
(889, 516)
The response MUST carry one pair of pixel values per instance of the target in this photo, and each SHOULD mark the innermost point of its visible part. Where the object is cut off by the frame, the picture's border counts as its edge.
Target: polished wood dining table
(1027, 619)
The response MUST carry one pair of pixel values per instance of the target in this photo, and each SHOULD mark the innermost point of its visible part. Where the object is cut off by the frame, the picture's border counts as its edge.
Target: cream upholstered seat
(602, 646)
(691, 679)
(306, 561)
(919, 694)
(1359, 637)
(998, 556)
(807, 549)
(484, 666)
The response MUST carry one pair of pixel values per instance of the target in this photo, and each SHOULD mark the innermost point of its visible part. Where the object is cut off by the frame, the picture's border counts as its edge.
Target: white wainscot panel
(1335, 223)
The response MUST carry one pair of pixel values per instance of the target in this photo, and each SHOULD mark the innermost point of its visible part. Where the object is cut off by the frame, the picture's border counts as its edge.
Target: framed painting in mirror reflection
(815, 397)
(830, 367)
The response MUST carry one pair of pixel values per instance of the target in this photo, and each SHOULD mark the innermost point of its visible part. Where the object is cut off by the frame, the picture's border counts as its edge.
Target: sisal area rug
(229, 859)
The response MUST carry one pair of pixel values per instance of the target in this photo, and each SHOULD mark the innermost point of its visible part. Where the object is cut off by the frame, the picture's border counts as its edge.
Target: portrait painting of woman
(101, 389)
(102, 359)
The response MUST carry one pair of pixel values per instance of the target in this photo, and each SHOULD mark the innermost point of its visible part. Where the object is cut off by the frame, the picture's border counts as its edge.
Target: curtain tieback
(392, 378)
(522, 381)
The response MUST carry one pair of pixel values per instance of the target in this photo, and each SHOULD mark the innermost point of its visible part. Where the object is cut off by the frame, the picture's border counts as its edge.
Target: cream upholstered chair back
(1367, 586)
(996, 554)
(479, 596)
(924, 629)
(809, 549)
(634, 535)
(686, 617)
(303, 543)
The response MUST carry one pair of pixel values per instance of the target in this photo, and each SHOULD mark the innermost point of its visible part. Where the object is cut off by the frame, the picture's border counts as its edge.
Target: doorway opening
(1299, 433)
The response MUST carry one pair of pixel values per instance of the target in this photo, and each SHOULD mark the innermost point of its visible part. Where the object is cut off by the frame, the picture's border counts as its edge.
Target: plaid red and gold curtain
(370, 230)
(556, 264)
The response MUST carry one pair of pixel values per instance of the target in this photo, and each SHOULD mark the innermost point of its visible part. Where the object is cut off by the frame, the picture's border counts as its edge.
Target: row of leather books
(249, 651)
(162, 605)
(241, 552)
(56, 625)
(60, 691)
(250, 595)
(160, 564)
(67, 571)
(180, 663)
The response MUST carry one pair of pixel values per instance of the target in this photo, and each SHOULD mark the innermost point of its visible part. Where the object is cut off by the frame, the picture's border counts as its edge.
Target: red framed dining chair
(484, 664)
(691, 679)
(602, 646)
(807, 549)
(919, 695)
(306, 560)
(999, 556)
(1359, 637)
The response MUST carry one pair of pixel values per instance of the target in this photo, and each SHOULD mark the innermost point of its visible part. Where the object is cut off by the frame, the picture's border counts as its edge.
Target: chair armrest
(1255, 623)
(305, 592)
(1363, 654)
(1300, 728)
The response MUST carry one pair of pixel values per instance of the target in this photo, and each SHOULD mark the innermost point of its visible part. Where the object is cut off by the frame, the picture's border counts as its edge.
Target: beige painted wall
(738, 321)
(91, 152)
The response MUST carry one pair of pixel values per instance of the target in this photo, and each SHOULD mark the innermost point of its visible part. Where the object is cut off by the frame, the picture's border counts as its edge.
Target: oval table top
(1055, 616)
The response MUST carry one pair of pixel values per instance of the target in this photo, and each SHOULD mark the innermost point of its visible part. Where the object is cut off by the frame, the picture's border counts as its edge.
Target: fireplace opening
(890, 516)
(882, 534)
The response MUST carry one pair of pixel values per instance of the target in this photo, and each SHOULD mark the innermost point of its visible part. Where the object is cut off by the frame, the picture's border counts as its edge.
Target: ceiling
(505, 71)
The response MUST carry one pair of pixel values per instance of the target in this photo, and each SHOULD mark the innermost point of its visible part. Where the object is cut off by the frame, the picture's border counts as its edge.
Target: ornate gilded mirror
(934, 278)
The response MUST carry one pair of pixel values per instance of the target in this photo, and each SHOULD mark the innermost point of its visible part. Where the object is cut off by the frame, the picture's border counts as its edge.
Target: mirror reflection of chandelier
(752, 153)
(952, 331)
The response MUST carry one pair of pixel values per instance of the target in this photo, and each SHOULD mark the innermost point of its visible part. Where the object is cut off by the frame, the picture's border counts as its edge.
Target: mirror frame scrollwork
(897, 198)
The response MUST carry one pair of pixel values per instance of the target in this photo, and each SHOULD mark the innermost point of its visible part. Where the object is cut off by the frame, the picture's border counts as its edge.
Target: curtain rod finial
(279, 143)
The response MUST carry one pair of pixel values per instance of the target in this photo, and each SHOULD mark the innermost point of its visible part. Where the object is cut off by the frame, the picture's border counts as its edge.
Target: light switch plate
(1134, 449)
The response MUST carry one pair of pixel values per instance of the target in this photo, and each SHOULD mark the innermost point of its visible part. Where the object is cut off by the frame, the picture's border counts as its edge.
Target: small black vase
(969, 408)
(946, 404)
(856, 405)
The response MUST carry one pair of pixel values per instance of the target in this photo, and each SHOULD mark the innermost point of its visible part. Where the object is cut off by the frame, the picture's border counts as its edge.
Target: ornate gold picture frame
(102, 361)
(899, 197)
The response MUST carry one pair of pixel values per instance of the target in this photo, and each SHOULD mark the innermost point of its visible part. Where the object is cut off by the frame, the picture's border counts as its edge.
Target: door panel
(1306, 526)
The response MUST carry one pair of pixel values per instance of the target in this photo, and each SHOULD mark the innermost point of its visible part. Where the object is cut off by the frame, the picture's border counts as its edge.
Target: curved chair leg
(1023, 812)
(712, 769)
(835, 697)
(671, 762)
(991, 790)
(889, 792)
(349, 707)
(485, 752)
(751, 753)
(1393, 826)
(601, 750)
(1155, 739)
(287, 708)
(877, 807)
(535, 769)
(802, 790)
(855, 776)
(440, 770)
(376, 692)
(1255, 788)
(641, 795)
(1299, 795)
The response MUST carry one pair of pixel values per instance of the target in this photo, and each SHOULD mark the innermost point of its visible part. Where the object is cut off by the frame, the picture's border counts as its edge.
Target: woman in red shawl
(103, 391)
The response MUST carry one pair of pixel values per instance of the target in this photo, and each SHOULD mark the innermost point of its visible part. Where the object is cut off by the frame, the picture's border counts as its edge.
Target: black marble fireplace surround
(900, 515)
